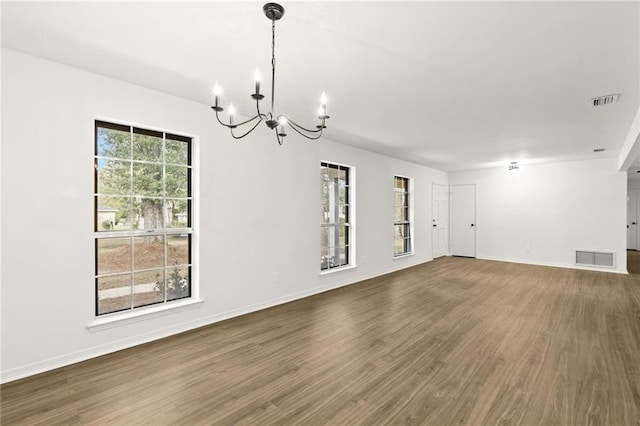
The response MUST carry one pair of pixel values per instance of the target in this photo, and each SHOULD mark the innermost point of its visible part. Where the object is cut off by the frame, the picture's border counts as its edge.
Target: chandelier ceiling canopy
(279, 123)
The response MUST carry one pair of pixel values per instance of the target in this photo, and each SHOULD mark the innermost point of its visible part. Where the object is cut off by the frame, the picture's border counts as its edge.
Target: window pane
(177, 183)
(113, 176)
(343, 237)
(114, 255)
(113, 143)
(333, 174)
(178, 283)
(177, 213)
(397, 217)
(324, 174)
(333, 236)
(324, 213)
(148, 287)
(114, 293)
(343, 253)
(147, 179)
(398, 246)
(177, 152)
(324, 241)
(402, 239)
(400, 183)
(148, 252)
(343, 214)
(177, 250)
(149, 213)
(147, 148)
(400, 199)
(113, 213)
(343, 194)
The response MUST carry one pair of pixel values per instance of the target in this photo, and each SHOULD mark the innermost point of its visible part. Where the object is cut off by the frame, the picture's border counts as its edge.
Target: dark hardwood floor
(633, 262)
(451, 341)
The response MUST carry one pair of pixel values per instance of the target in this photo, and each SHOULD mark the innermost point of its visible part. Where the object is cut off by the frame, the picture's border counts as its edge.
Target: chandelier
(273, 12)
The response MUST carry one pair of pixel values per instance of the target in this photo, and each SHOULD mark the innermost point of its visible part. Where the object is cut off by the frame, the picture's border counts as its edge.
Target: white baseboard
(131, 341)
(552, 264)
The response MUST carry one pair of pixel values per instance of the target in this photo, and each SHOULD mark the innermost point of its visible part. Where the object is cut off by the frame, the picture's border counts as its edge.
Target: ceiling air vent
(599, 150)
(605, 100)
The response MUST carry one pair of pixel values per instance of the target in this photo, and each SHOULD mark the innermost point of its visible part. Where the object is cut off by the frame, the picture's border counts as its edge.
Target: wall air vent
(605, 259)
(605, 100)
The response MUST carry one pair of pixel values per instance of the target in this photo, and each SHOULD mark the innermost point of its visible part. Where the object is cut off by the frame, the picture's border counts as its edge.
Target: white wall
(553, 209)
(259, 205)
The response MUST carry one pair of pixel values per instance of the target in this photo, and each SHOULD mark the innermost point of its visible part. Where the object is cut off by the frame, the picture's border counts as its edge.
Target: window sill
(334, 270)
(401, 256)
(141, 314)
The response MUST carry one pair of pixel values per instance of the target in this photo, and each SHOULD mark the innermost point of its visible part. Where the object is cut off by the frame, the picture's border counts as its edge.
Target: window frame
(132, 234)
(349, 225)
(407, 220)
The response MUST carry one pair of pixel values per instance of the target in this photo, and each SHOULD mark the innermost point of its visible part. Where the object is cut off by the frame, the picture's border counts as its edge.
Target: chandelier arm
(300, 132)
(238, 124)
(261, 115)
(278, 137)
(294, 124)
(249, 131)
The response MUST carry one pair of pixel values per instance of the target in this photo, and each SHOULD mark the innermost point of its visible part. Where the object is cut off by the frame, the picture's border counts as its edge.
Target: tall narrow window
(143, 222)
(335, 232)
(402, 221)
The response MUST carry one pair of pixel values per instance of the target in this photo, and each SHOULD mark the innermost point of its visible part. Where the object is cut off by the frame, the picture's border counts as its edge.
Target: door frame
(630, 221)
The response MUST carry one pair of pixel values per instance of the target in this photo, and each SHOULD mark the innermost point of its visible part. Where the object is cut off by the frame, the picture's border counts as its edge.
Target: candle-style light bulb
(323, 99)
(257, 77)
(283, 122)
(232, 112)
(217, 91)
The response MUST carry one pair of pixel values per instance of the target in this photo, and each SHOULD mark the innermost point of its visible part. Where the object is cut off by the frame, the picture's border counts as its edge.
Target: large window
(335, 247)
(143, 222)
(402, 220)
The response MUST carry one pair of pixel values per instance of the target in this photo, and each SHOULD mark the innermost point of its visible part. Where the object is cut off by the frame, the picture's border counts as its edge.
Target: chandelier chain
(273, 62)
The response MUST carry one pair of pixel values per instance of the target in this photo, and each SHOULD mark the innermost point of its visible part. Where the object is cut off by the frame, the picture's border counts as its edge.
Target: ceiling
(451, 85)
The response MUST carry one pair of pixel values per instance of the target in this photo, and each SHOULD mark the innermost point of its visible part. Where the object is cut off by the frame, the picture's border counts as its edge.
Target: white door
(632, 220)
(440, 223)
(463, 220)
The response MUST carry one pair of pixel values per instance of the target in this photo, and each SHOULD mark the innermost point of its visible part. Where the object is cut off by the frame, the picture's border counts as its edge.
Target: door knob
(473, 224)
(434, 225)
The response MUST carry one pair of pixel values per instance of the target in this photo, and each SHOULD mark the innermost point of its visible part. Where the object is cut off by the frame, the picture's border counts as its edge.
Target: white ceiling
(451, 85)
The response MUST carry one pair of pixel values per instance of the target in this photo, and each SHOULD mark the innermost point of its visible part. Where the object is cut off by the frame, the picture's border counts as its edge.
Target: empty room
(476, 167)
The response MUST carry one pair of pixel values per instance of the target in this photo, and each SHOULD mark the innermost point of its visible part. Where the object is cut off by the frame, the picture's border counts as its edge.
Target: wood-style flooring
(633, 262)
(453, 341)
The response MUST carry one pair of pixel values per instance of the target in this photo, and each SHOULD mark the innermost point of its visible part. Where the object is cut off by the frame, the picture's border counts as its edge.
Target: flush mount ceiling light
(514, 165)
(273, 12)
